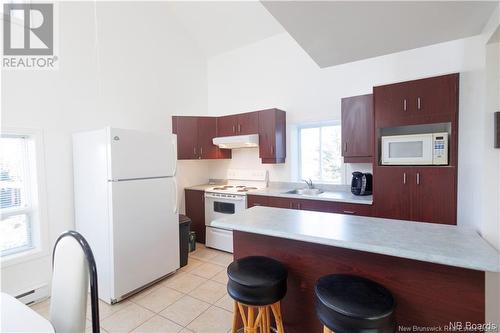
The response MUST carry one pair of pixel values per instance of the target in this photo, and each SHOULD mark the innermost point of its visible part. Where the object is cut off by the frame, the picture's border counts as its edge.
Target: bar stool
(352, 304)
(257, 285)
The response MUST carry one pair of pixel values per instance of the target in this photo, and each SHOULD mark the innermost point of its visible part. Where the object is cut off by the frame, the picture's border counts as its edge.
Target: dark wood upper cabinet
(248, 123)
(195, 210)
(433, 96)
(194, 138)
(357, 129)
(272, 136)
(207, 130)
(238, 124)
(422, 101)
(226, 125)
(195, 134)
(187, 143)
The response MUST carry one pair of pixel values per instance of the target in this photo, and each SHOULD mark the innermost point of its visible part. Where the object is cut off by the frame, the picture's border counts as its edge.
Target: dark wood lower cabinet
(435, 198)
(309, 204)
(391, 193)
(423, 194)
(195, 210)
(427, 294)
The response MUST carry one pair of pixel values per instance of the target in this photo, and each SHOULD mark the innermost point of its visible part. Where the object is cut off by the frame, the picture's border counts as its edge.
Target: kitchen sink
(305, 191)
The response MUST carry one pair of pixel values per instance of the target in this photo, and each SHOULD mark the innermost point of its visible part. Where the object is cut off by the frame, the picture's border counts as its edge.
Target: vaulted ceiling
(332, 32)
(221, 26)
(336, 32)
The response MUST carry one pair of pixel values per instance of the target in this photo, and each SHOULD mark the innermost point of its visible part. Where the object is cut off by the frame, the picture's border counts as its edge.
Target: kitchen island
(435, 272)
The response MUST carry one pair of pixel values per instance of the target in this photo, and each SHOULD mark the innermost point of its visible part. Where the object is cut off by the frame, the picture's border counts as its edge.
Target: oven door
(217, 207)
(415, 149)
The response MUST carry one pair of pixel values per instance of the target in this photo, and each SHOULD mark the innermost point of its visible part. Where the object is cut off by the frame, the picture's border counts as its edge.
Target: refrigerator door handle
(174, 144)
(176, 208)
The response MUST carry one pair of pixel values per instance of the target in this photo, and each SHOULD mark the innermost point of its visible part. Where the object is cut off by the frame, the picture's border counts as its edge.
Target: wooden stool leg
(262, 321)
(276, 308)
(236, 318)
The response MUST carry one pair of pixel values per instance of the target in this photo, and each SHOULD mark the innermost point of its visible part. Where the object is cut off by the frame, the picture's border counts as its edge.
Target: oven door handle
(235, 198)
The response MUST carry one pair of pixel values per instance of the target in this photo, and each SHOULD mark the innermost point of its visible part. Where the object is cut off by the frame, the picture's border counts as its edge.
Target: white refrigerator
(126, 206)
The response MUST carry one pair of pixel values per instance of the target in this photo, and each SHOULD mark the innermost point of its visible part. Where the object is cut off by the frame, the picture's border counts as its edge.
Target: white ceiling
(220, 26)
(334, 32)
(495, 38)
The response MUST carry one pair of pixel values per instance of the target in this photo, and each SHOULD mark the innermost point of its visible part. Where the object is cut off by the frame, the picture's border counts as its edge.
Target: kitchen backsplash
(248, 158)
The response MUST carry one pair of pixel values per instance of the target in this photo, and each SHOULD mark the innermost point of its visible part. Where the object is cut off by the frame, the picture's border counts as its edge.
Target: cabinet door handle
(404, 178)
(418, 178)
(419, 103)
(345, 146)
(349, 212)
(194, 151)
(404, 104)
(239, 128)
(234, 129)
(201, 151)
(272, 149)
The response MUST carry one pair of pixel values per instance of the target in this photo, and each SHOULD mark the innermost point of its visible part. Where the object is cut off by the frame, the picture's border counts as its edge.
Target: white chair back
(70, 283)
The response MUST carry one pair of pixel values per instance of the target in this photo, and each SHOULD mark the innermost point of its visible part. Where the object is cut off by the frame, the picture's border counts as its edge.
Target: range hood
(237, 141)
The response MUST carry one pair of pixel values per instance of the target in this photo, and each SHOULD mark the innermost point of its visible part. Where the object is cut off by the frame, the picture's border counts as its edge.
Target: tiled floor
(192, 300)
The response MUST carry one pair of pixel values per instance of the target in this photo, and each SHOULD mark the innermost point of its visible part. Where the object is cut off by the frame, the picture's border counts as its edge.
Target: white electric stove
(229, 199)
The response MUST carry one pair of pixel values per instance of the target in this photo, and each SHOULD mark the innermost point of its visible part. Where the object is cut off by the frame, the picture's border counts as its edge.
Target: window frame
(36, 196)
(299, 149)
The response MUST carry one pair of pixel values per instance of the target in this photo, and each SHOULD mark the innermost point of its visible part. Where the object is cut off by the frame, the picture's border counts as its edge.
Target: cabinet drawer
(257, 200)
(351, 209)
(282, 203)
(314, 205)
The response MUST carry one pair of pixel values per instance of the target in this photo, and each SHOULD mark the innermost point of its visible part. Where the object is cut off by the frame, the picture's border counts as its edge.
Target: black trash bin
(184, 225)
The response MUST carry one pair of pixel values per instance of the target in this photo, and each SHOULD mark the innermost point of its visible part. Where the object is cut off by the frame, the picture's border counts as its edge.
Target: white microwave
(415, 149)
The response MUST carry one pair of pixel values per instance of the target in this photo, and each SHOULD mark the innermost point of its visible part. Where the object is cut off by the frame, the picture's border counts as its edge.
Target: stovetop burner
(234, 188)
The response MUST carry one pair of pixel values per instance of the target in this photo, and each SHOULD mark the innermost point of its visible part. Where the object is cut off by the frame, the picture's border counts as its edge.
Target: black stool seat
(256, 280)
(352, 304)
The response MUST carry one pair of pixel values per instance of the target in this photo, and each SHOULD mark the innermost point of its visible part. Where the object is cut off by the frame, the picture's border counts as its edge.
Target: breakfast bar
(435, 272)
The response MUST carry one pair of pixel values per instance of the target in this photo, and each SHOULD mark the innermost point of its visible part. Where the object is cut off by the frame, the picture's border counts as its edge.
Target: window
(17, 194)
(320, 153)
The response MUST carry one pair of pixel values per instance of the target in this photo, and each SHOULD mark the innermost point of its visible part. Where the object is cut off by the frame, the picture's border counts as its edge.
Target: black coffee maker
(361, 183)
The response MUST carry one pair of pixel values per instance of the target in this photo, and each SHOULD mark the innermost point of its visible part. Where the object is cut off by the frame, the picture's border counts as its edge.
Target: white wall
(276, 72)
(490, 168)
(141, 69)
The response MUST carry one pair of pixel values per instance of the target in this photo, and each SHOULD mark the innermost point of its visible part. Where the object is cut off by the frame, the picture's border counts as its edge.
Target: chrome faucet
(309, 183)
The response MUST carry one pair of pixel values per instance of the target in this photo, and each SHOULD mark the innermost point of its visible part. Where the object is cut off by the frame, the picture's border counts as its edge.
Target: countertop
(337, 196)
(200, 187)
(440, 244)
(328, 195)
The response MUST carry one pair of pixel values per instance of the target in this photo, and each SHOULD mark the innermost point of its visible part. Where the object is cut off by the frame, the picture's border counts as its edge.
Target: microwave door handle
(404, 177)
(418, 178)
